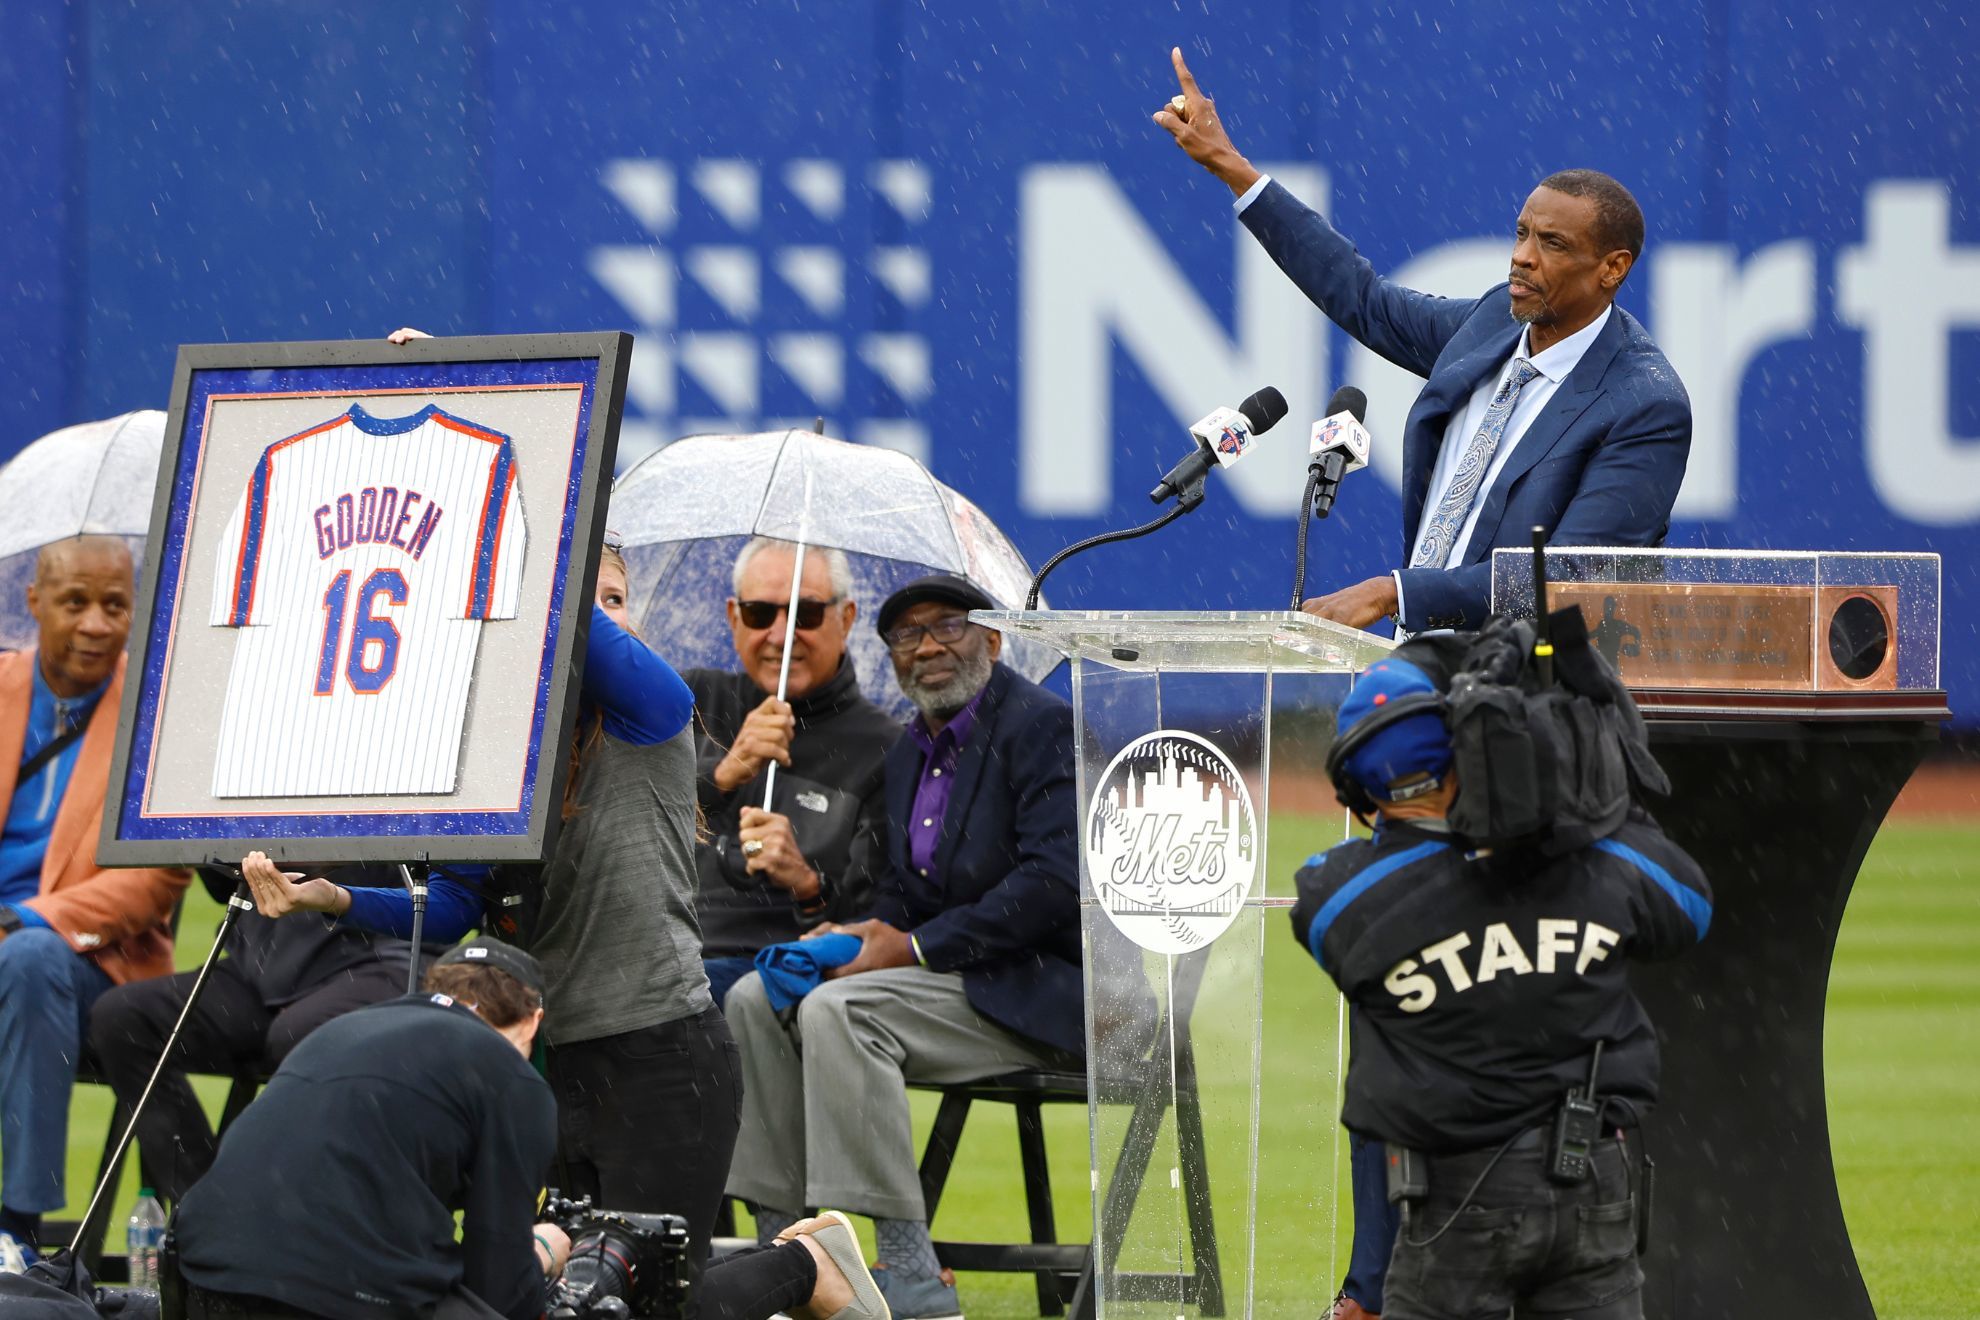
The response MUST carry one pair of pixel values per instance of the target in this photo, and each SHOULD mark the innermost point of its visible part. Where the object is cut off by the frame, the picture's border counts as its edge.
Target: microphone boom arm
(1187, 499)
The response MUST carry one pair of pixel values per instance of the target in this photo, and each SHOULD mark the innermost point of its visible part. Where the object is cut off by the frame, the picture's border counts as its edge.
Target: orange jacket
(118, 918)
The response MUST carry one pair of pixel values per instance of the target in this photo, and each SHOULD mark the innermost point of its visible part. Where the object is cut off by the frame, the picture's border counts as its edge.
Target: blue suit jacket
(1600, 465)
(1002, 907)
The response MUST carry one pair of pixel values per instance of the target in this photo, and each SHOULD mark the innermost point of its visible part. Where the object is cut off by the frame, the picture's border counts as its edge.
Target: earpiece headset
(1348, 789)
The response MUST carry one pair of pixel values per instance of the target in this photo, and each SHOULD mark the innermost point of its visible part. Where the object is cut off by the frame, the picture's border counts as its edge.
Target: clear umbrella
(683, 513)
(94, 479)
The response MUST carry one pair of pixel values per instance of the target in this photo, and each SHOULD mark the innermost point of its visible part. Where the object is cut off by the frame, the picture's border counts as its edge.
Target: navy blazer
(1003, 905)
(1600, 465)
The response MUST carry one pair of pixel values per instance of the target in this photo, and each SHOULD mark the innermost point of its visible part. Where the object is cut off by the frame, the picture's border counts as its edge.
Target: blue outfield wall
(953, 229)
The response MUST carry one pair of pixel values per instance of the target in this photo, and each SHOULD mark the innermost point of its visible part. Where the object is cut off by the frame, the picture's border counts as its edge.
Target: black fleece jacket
(832, 792)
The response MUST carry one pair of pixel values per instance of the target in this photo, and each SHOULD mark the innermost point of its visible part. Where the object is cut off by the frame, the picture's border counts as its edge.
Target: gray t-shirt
(616, 934)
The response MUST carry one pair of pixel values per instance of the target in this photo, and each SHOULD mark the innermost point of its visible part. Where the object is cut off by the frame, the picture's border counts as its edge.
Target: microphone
(1338, 446)
(1222, 438)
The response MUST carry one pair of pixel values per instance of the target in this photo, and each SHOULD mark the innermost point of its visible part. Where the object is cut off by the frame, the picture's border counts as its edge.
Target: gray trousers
(825, 1110)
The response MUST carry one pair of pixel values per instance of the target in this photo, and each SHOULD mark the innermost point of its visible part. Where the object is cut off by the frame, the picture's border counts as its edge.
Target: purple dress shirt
(940, 752)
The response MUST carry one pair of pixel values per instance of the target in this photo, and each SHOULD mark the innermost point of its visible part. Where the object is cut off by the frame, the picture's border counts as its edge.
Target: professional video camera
(622, 1263)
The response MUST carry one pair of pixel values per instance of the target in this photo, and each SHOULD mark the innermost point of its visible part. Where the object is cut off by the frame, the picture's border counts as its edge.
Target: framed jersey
(365, 588)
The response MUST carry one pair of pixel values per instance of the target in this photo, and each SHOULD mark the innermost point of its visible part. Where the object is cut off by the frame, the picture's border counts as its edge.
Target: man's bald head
(81, 597)
(110, 553)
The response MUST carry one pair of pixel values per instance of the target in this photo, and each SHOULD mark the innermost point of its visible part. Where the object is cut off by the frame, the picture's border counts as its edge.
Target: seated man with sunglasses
(969, 963)
(771, 871)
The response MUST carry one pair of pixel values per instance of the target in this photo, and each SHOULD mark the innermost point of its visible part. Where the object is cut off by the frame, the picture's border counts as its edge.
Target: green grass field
(1904, 1099)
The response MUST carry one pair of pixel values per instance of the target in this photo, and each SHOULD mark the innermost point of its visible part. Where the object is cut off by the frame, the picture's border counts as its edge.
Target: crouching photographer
(335, 1193)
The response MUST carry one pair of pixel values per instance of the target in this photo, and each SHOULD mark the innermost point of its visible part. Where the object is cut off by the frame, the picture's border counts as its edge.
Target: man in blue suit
(969, 963)
(1546, 405)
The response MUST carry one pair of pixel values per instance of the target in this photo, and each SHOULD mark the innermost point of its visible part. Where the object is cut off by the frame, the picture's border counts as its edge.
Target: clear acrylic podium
(1182, 720)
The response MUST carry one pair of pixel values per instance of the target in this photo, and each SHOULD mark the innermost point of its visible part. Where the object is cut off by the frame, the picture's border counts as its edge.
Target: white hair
(837, 567)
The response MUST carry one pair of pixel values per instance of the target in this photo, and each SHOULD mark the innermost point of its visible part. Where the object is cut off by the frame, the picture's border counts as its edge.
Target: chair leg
(940, 1156)
(1083, 1304)
(1209, 1272)
(1137, 1148)
(110, 1168)
(239, 1096)
(1038, 1197)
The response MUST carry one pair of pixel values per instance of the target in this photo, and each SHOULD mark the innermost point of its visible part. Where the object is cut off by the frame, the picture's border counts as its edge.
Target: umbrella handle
(790, 627)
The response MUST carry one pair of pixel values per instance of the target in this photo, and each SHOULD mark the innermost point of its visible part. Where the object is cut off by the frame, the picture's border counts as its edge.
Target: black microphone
(1339, 445)
(1222, 438)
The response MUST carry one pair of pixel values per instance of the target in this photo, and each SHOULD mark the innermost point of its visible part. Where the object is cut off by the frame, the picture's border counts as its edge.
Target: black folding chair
(1066, 1271)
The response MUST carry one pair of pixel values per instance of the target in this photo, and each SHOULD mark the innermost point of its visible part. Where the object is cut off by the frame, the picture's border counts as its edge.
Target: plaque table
(1787, 721)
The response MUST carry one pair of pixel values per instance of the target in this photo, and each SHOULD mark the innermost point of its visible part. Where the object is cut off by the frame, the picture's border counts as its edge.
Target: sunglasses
(763, 613)
(907, 638)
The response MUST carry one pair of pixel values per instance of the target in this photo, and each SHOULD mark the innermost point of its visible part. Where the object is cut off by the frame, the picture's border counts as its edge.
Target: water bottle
(142, 1237)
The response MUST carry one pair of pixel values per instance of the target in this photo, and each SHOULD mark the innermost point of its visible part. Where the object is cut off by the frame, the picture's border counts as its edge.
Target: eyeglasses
(907, 637)
(763, 613)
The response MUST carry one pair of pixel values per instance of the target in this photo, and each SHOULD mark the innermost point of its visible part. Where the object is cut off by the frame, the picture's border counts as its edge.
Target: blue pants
(46, 990)
(1375, 1223)
(725, 972)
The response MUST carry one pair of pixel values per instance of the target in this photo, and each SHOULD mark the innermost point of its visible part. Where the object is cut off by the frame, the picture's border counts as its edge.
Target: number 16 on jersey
(366, 669)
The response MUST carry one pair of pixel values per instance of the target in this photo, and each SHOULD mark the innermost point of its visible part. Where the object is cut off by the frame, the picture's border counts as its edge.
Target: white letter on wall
(1712, 317)
(1093, 275)
(1907, 288)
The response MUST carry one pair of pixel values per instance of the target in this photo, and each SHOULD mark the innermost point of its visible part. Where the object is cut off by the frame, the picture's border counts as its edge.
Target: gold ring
(752, 847)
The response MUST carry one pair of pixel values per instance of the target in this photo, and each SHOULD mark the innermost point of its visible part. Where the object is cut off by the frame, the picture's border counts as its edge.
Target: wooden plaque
(1738, 635)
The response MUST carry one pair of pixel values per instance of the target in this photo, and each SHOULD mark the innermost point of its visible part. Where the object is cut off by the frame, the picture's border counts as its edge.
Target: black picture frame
(323, 827)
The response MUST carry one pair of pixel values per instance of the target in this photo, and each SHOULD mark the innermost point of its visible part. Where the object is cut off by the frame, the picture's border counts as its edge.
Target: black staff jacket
(1478, 988)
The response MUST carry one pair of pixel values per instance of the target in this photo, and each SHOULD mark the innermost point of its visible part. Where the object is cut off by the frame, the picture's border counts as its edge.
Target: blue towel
(792, 971)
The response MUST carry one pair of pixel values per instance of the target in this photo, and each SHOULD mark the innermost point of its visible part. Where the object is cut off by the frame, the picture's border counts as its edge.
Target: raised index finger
(1182, 72)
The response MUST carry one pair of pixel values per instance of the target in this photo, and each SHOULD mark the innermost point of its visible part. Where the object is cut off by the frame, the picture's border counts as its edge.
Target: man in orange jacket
(69, 929)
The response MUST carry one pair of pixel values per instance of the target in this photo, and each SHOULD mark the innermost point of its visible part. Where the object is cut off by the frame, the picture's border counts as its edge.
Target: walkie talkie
(1576, 1129)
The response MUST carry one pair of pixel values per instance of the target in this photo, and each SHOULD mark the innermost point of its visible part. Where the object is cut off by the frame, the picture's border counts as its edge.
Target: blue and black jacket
(1479, 988)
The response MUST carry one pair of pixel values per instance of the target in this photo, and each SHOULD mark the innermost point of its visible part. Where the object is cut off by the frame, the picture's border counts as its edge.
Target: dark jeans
(756, 1282)
(1375, 1222)
(647, 1119)
(1523, 1241)
(725, 972)
(229, 1029)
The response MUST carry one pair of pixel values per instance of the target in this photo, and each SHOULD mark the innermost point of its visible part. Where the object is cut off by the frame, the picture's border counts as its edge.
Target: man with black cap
(1485, 992)
(969, 961)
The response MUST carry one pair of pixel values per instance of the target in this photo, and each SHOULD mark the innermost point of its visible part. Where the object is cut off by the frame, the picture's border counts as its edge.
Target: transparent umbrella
(93, 479)
(684, 512)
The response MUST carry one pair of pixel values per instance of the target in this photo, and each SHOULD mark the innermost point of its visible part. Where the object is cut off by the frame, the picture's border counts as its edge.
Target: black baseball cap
(484, 951)
(944, 587)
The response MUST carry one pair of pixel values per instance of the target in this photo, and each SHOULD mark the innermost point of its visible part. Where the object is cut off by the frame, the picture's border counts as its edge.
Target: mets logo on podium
(1172, 844)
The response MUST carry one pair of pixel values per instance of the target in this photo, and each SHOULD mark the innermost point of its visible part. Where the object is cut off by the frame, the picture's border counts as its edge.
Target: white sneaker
(14, 1256)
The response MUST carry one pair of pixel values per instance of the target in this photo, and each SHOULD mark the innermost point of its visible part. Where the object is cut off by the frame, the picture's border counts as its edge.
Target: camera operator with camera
(334, 1194)
(1498, 1051)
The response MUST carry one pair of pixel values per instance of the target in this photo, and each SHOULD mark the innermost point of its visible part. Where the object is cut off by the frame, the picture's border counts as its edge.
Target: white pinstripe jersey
(359, 565)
